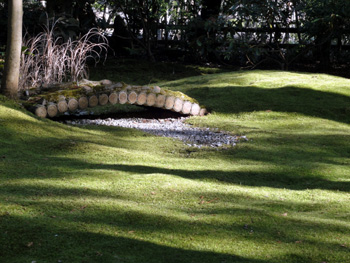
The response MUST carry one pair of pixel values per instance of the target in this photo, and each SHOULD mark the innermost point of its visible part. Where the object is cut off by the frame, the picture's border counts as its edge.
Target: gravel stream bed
(170, 127)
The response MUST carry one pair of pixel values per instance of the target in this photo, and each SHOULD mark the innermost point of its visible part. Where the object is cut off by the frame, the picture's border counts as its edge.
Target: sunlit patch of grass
(106, 194)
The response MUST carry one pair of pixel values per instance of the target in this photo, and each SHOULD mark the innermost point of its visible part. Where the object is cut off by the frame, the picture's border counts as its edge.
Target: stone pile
(170, 127)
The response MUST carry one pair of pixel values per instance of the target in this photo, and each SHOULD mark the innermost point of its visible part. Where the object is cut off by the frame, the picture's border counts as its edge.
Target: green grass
(104, 194)
(139, 72)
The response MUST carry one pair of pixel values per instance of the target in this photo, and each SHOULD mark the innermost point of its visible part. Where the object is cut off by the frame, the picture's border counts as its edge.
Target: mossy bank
(106, 194)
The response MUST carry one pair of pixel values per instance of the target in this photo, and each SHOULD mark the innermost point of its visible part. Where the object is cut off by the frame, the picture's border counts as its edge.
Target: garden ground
(107, 194)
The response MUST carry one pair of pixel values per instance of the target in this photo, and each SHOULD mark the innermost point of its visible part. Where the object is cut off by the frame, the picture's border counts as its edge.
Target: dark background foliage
(281, 34)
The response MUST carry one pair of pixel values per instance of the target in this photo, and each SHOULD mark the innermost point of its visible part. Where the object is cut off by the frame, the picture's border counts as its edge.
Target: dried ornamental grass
(45, 60)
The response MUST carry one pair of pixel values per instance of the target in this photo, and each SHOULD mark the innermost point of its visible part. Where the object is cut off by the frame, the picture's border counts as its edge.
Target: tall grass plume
(47, 60)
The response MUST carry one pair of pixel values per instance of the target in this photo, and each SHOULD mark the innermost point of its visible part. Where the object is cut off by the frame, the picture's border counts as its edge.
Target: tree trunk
(73, 104)
(195, 110)
(169, 102)
(132, 97)
(52, 110)
(178, 104)
(103, 99)
(113, 98)
(186, 108)
(9, 85)
(123, 97)
(151, 99)
(142, 98)
(83, 102)
(40, 111)
(93, 101)
(160, 101)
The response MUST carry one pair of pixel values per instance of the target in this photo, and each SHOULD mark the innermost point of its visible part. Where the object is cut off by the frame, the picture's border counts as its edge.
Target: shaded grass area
(105, 194)
(141, 72)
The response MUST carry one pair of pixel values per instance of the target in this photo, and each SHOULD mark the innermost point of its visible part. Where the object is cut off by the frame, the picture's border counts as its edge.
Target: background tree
(325, 22)
(10, 79)
(280, 34)
(203, 30)
(141, 18)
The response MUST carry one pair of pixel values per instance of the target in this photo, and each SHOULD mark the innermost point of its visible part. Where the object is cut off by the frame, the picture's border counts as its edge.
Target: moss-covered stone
(87, 88)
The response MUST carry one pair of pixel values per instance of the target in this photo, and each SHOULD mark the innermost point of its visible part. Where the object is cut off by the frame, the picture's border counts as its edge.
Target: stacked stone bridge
(54, 100)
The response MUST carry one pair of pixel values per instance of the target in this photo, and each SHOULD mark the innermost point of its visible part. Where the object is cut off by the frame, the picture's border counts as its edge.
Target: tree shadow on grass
(296, 164)
(308, 102)
(65, 236)
(287, 178)
(102, 234)
(33, 239)
(85, 246)
(275, 179)
(60, 244)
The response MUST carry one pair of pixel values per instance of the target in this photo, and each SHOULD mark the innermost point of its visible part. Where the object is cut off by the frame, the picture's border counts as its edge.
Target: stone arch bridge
(54, 100)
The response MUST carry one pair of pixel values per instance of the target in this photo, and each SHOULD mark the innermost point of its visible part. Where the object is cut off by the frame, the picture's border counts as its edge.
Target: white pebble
(174, 128)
